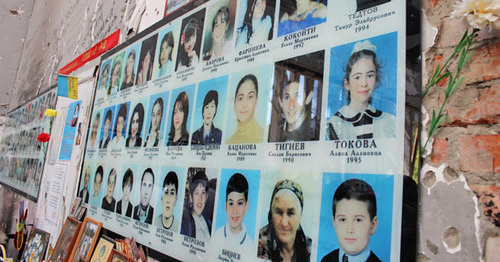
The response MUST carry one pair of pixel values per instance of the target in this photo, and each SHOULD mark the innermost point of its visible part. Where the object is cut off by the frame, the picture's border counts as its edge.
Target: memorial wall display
(240, 129)
(22, 156)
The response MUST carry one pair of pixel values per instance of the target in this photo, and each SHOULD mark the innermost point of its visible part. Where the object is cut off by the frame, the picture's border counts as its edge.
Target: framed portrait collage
(237, 130)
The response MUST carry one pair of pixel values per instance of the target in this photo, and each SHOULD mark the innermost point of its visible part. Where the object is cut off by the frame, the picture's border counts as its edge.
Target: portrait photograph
(362, 92)
(104, 76)
(116, 73)
(288, 208)
(356, 217)
(131, 64)
(36, 245)
(247, 106)
(155, 120)
(86, 240)
(296, 15)
(199, 203)
(255, 22)
(237, 212)
(84, 189)
(179, 116)
(171, 187)
(189, 47)
(119, 126)
(102, 250)
(106, 127)
(66, 240)
(127, 185)
(144, 189)
(94, 139)
(110, 180)
(209, 111)
(219, 29)
(296, 98)
(173, 5)
(135, 129)
(96, 180)
(146, 59)
(166, 51)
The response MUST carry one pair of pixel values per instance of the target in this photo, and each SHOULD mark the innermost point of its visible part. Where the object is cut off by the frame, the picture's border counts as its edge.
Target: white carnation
(478, 13)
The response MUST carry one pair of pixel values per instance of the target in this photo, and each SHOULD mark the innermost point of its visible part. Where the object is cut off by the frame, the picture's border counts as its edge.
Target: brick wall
(461, 174)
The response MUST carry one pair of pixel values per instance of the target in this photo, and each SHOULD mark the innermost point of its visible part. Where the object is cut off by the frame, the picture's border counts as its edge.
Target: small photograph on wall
(136, 125)
(95, 197)
(146, 60)
(84, 192)
(236, 214)
(104, 76)
(107, 122)
(247, 106)
(356, 217)
(155, 120)
(93, 142)
(110, 181)
(124, 188)
(180, 115)
(219, 29)
(362, 92)
(131, 62)
(119, 128)
(144, 191)
(116, 73)
(255, 22)
(173, 5)
(190, 40)
(209, 111)
(172, 184)
(296, 15)
(288, 213)
(199, 202)
(296, 98)
(166, 51)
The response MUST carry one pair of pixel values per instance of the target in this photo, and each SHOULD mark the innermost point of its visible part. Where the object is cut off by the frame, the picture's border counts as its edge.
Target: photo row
(235, 211)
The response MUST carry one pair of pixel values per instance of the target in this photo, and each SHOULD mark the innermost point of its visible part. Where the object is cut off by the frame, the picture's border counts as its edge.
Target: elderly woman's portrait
(283, 238)
(299, 14)
(199, 204)
(249, 95)
(134, 138)
(363, 89)
(219, 33)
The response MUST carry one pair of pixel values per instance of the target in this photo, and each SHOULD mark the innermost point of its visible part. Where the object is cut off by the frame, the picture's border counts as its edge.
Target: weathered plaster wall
(14, 19)
(460, 179)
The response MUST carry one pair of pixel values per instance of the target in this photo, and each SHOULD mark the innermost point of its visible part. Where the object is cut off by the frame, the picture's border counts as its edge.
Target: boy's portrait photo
(144, 210)
(236, 212)
(358, 209)
(209, 111)
(169, 206)
(296, 103)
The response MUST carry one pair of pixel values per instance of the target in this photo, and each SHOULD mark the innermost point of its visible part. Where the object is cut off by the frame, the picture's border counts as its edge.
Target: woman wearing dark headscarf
(283, 238)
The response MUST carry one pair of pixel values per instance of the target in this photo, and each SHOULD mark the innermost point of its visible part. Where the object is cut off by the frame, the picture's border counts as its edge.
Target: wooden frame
(66, 240)
(108, 245)
(117, 256)
(87, 239)
(36, 245)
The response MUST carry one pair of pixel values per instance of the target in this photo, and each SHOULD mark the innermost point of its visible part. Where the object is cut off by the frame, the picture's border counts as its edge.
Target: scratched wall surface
(459, 216)
(14, 19)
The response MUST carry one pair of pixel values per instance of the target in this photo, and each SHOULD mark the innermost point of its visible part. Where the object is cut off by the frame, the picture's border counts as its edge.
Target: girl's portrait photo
(130, 68)
(145, 69)
(116, 73)
(219, 33)
(134, 138)
(256, 22)
(166, 51)
(190, 40)
(157, 112)
(179, 125)
(299, 14)
(363, 89)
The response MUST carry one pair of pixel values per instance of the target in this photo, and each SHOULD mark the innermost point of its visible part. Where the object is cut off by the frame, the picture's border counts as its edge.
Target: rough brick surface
(440, 151)
(480, 153)
(475, 106)
(484, 64)
(489, 196)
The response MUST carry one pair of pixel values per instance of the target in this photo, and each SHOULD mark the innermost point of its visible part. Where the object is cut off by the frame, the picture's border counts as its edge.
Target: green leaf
(441, 120)
(457, 84)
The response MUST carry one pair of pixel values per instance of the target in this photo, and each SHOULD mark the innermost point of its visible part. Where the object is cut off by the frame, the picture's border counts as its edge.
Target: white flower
(478, 13)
